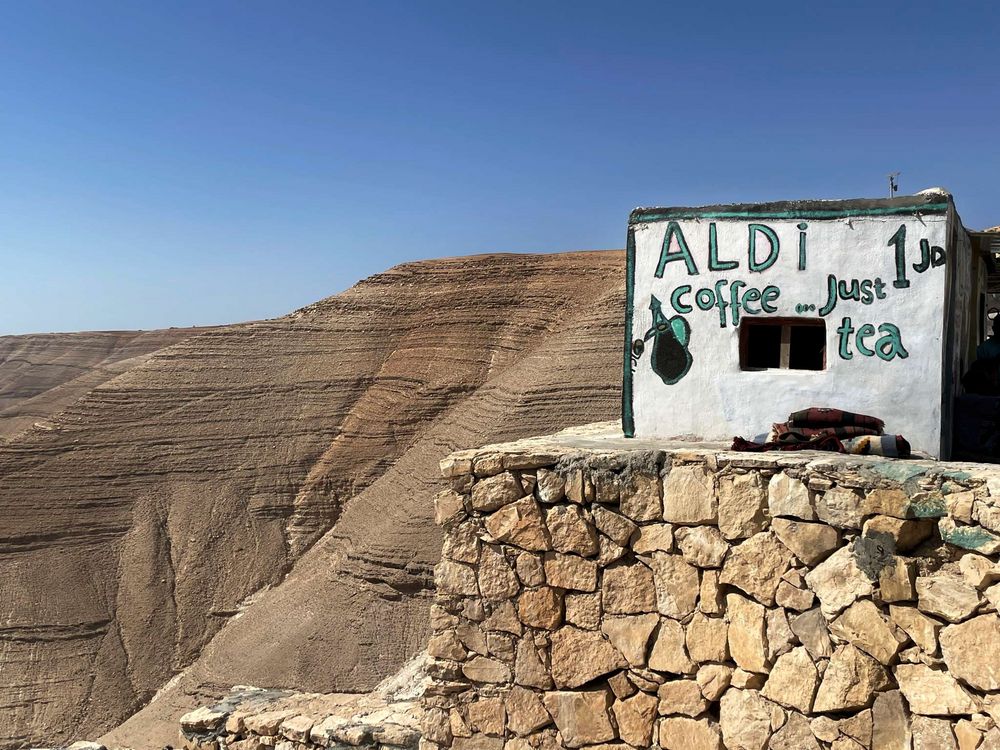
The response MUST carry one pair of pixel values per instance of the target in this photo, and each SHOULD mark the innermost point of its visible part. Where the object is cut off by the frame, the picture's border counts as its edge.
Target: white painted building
(739, 315)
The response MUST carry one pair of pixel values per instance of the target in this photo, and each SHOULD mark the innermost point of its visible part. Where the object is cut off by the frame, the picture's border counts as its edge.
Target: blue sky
(185, 163)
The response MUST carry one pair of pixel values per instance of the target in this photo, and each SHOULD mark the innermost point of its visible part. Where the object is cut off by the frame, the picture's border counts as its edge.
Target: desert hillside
(252, 504)
(42, 374)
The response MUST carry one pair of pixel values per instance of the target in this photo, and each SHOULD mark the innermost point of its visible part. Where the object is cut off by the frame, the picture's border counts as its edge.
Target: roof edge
(934, 203)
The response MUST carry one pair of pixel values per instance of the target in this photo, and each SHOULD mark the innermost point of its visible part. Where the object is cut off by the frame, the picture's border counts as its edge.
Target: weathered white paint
(717, 400)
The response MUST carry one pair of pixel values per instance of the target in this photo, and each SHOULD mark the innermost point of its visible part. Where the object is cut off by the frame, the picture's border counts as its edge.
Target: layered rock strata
(601, 592)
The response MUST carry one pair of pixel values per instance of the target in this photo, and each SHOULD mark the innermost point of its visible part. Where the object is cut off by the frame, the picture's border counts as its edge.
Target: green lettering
(704, 302)
(802, 246)
(890, 345)
(714, 264)
(752, 295)
(864, 332)
(682, 252)
(899, 241)
(844, 331)
(769, 295)
(675, 299)
(772, 256)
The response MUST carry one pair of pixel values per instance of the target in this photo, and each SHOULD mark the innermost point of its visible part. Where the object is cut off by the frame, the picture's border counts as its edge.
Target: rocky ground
(252, 504)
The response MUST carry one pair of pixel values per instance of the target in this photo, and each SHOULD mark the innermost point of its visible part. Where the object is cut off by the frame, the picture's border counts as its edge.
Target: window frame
(785, 347)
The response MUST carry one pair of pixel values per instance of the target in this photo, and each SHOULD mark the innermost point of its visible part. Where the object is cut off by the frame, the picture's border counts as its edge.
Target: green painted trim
(641, 216)
(628, 419)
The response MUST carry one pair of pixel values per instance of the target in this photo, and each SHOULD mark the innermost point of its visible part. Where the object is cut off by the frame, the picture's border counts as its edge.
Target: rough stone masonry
(606, 594)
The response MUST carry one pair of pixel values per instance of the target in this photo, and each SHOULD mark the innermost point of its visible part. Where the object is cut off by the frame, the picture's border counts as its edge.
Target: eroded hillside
(42, 374)
(305, 447)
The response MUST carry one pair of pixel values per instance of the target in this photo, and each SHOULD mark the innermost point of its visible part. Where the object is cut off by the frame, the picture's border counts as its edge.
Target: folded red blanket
(821, 416)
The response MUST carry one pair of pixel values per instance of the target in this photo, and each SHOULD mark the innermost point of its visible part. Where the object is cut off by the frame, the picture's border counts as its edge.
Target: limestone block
(683, 733)
(978, 571)
(841, 507)
(455, 578)
(863, 625)
(838, 581)
(809, 542)
(748, 720)
(530, 569)
(449, 507)
(520, 523)
(932, 734)
(617, 527)
(682, 697)
(541, 608)
(711, 599)
(653, 537)
(494, 492)
(488, 715)
(780, 637)
(530, 669)
(503, 619)
(635, 718)
(742, 504)
(484, 669)
(581, 716)
(972, 651)
(946, 595)
(579, 656)
(793, 680)
(689, 496)
(896, 582)
(850, 681)
(974, 538)
(960, 505)
(747, 633)
(621, 686)
(791, 597)
(967, 736)
(744, 680)
(677, 584)
(631, 635)
(461, 543)
(707, 638)
(477, 742)
(570, 531)
(702, 546)
(905, 533)
(796, 734)
(641, 498)
(756, 566)
(858, 727)
(931, 692)
(445, 646)
(713, 680)
(584, 610)
(549, 486)
(890, 722)
(570, 572)
(497, 579)
(628, 589)
(787, 496)
(669, 653)
(923, 630)
(889, 502)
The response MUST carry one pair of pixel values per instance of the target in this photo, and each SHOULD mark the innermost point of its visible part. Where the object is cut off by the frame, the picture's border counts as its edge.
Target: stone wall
(596, 592)
(256, 719)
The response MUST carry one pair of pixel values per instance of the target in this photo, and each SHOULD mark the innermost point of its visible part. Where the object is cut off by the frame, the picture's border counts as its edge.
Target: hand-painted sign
(871, 274)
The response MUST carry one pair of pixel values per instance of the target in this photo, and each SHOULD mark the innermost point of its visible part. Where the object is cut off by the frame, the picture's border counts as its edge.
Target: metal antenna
(893, 184)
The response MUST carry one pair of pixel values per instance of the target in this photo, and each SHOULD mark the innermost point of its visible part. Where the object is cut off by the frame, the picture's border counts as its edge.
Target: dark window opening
(782, 343)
